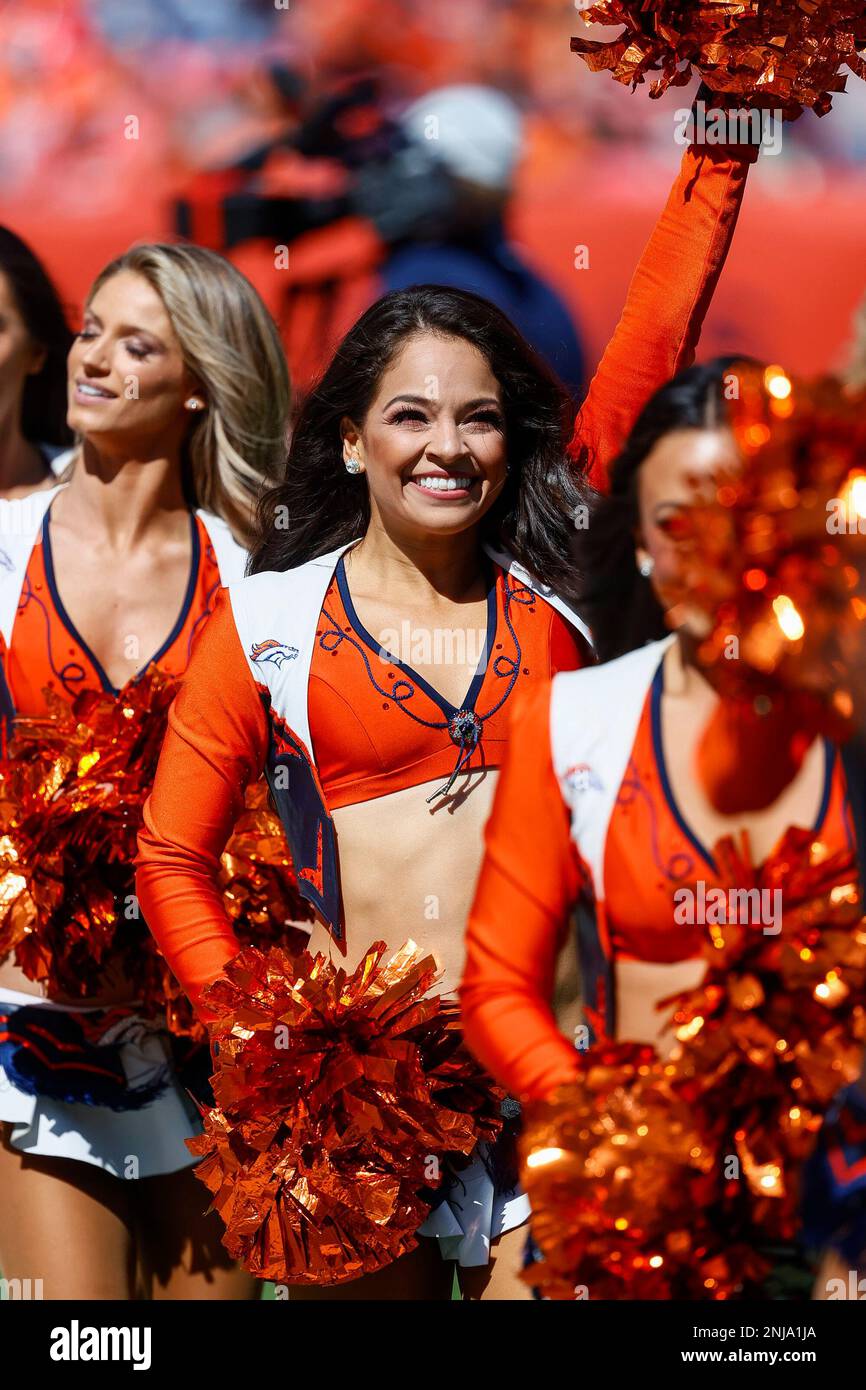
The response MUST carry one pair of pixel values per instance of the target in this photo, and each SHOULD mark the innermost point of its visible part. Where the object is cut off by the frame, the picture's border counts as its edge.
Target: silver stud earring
(193, 404)
(353, 463)
(646, 567)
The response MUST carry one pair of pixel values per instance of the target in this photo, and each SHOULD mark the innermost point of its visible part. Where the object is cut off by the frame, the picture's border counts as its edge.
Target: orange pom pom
(72, 790)
(337, 1097)
(774, 53)
(628, 1167)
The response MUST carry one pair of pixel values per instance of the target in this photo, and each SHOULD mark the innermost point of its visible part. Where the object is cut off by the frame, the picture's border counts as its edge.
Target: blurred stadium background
(114, 111)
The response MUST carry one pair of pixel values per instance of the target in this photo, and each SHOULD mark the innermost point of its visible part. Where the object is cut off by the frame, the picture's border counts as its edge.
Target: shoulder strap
(59, 459)
(513, 567)
(594, 717)
(276, 614)
(20, 524)
(230, 554)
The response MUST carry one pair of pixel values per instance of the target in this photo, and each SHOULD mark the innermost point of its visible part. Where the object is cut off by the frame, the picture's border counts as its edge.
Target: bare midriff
(641, 987)
(408, 872)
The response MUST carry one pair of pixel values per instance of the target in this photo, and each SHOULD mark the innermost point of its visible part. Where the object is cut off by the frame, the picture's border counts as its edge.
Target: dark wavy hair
(616, 601)
(323, 506)
(43, 407)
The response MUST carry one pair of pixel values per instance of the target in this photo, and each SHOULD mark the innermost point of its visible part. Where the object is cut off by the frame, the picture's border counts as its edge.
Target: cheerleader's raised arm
(667, 301)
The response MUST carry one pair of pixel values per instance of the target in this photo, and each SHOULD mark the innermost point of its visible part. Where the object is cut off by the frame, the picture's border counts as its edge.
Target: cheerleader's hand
(750, 133)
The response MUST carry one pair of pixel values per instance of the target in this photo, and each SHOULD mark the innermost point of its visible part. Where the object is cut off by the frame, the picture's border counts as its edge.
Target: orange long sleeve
(667, 301)
(215, 745)
(530, 878)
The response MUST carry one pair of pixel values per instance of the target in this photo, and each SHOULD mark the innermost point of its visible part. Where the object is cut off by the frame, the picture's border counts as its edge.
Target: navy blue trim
(7, 704)
(304, 816)
(67, 622)
(596, 969)
(477, 681)
(854, 765)
(299, 819)
(830, 755)
(656, 692)
(45, 1052)
(658, 749)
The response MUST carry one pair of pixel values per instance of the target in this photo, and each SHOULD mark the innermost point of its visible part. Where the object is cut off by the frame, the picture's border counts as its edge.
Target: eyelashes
(134, 349)
(405, 413)
(489, 418)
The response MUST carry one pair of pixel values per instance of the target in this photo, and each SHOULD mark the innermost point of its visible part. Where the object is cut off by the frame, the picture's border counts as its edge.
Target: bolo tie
(464, 729)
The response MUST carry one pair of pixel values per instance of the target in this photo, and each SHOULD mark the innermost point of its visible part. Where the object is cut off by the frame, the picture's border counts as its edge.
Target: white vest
(20, 527)
(281, 608)
(594, 718)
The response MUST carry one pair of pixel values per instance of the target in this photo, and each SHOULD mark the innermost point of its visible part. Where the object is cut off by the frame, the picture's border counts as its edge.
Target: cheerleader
(178, 395)
(426, 497)
(34, 341)
(597, 798)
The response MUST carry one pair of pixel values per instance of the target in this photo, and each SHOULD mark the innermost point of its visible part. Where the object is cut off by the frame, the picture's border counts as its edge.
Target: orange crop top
(532, 876)
(47, 652)
(378, 727)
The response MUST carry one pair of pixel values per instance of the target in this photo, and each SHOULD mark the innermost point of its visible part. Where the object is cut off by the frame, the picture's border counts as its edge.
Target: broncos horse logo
(273, 651)
(582, 778)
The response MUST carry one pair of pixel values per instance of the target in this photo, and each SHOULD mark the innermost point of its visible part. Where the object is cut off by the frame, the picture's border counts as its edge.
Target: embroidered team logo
(581, 778)
(273, 651)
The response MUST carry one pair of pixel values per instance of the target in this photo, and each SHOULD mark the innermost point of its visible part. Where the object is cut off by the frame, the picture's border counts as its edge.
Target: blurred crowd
(191, 71)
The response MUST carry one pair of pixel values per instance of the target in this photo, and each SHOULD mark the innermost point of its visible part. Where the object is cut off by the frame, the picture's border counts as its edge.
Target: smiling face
(433, 442)
(20, 357)
(128, 384)
(681, 468)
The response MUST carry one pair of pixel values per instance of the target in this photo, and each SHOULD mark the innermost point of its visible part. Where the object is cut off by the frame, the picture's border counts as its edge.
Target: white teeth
(450, 484)
(91, 390)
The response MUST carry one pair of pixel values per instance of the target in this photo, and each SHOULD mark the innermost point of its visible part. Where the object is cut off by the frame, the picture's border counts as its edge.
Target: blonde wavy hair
(854, 374)
(231, 346)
